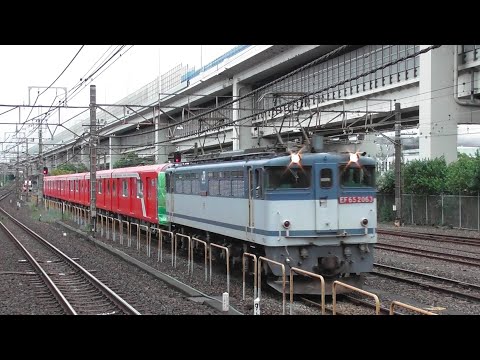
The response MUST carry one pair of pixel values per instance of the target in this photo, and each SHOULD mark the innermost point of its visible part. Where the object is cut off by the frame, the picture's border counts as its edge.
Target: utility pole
(398, 157)
(93, 159)
(40, 165)
(17, 187)
(26, 170)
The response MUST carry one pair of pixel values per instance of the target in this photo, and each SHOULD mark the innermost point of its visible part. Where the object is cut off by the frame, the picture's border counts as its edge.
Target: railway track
(435, 237)
(460, 259)
(74, 288)
(199, 271)
(432, 244)
(437, 283)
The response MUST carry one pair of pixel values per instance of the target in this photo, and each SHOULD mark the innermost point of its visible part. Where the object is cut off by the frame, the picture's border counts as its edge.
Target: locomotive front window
(288, 178)
(353, 176)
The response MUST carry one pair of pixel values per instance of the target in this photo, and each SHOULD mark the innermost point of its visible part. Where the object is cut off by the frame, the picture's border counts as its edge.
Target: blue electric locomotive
(313, 211)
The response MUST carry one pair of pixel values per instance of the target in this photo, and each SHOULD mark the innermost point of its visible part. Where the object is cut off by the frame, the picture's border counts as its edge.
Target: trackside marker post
(256, 306)
(225, 304)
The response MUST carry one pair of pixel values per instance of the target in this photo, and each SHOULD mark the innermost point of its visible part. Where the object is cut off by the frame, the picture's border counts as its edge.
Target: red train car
(131, 192)
(73, 188)
(54, 186)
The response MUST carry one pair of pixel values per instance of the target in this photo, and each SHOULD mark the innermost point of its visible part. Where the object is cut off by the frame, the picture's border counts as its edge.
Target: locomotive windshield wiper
(294, 174)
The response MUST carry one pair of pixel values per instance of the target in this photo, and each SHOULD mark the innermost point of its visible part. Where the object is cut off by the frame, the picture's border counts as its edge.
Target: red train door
(108, 194)
(150, 197)
(114, 195)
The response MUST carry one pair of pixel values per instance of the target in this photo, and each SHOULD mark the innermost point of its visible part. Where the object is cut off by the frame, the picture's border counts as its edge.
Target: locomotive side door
(255, 193)
(325, 197)
(251, 195)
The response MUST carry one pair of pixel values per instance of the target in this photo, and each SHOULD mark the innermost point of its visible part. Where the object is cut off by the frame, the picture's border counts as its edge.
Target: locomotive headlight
(364, 222)
(286, 224)
(353, 157)
(295, 158)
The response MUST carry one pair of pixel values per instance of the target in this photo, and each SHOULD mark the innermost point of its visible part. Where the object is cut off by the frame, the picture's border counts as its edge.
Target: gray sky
(24, 66)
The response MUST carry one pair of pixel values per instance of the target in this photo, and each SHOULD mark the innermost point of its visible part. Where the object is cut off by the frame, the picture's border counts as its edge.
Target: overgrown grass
(39, 213)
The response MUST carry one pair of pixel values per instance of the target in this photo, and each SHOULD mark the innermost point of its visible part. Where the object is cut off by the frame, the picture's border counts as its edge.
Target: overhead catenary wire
(77, 88)
(69, 97)
(325, 57)
(80, 82)
(351, 110)
(53, 82)
(309, 94)
(157, 143)
(92, 77)
(73, 117)
(289, 74)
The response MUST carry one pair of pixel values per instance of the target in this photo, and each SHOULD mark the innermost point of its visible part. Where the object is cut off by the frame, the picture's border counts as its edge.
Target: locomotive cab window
(288, 178)
(353, 176)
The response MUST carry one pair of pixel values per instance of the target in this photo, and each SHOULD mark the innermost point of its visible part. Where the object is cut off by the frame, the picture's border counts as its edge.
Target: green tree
(476, 174)
(81, 168)
(386, 182)
(425, 177)
(69, 168)
(131, 159)
(461, 175)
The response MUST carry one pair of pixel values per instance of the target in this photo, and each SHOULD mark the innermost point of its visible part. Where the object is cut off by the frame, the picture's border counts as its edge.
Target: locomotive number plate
(355, 199)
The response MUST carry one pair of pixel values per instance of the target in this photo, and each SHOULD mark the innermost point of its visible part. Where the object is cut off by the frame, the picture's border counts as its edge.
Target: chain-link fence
(457, 211)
